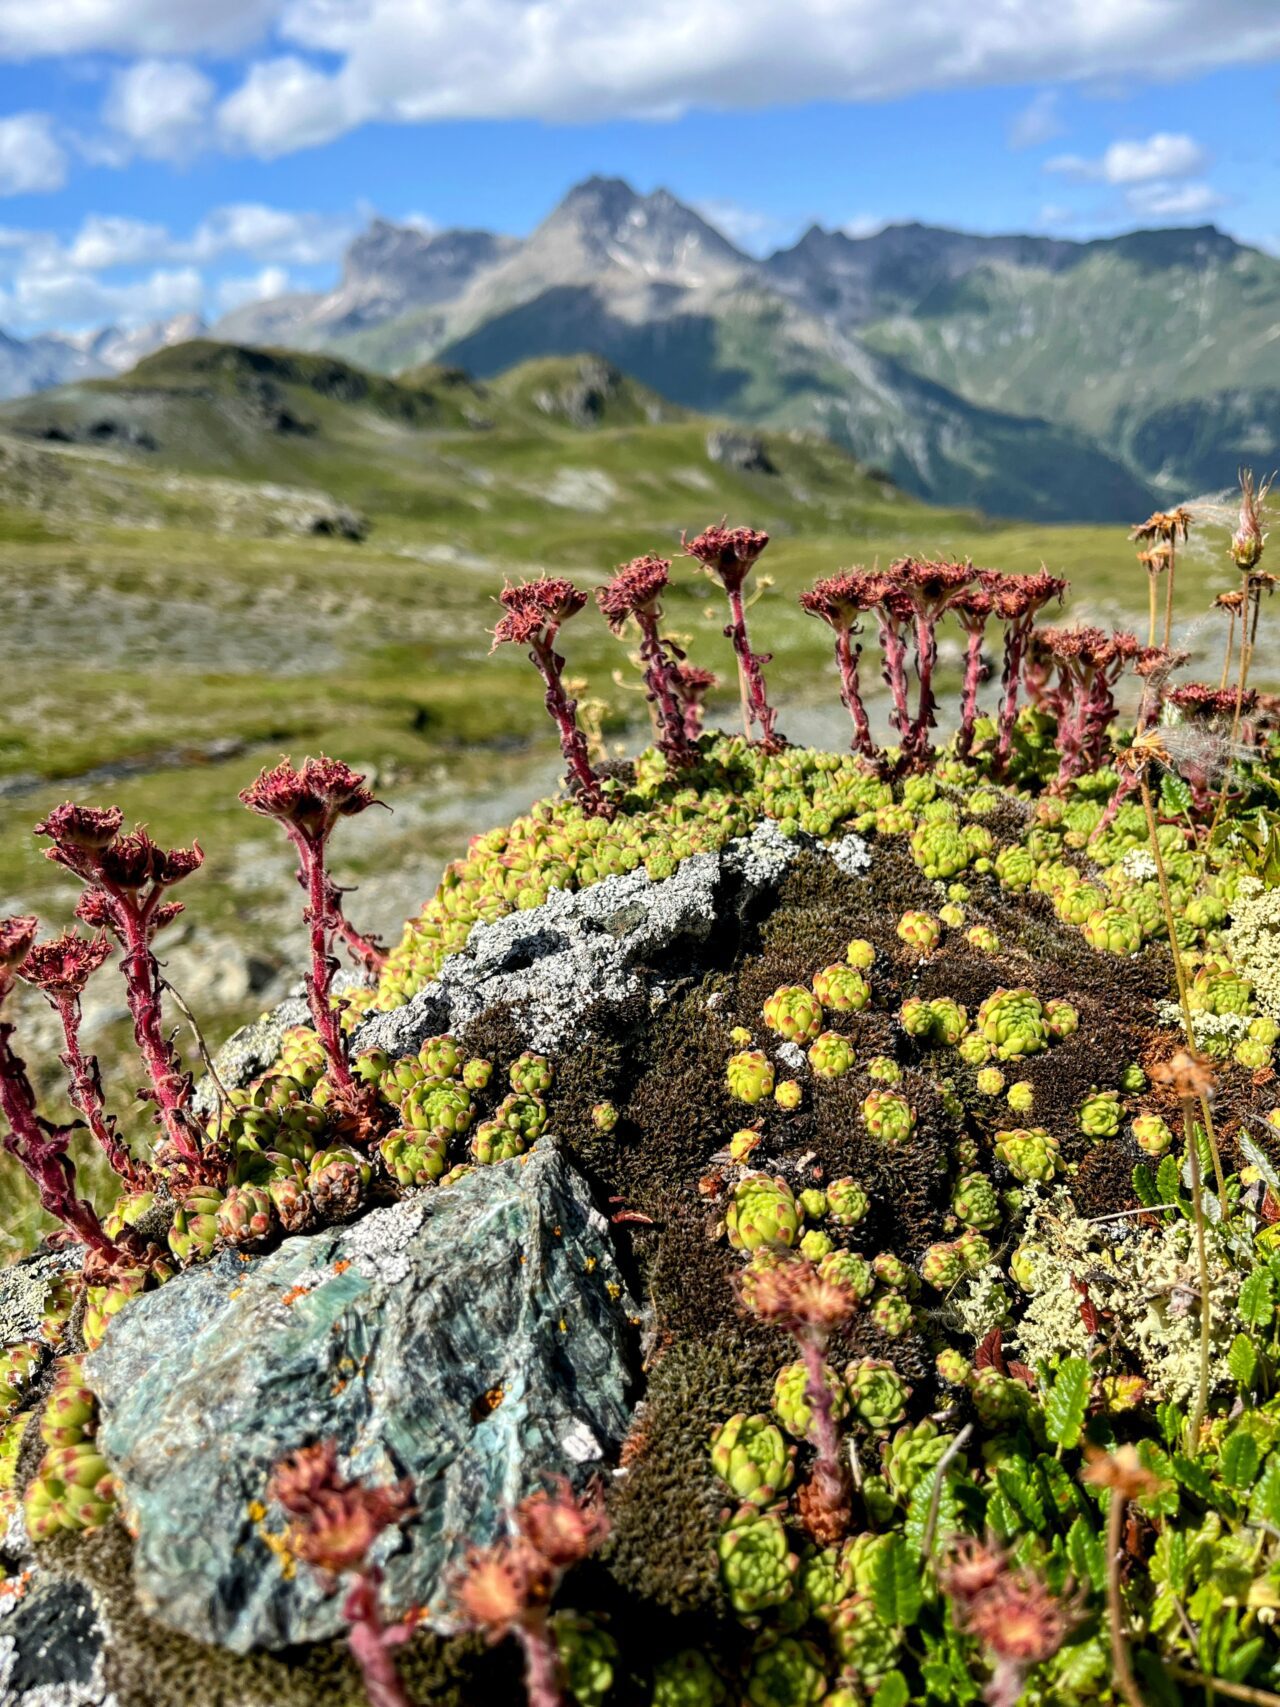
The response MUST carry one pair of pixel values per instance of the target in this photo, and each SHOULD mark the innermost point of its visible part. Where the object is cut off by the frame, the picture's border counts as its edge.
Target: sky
(165, 156)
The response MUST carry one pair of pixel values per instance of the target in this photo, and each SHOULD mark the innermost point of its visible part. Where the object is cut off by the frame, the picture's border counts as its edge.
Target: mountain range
(1027, 376)
(60, 358)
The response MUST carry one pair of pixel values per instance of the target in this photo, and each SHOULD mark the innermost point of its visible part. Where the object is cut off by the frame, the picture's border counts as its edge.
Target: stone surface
(51, 1648)
(473, 1338)
(588, 948)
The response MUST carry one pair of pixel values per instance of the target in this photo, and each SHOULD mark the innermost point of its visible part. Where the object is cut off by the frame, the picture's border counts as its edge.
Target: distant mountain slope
(34, 364)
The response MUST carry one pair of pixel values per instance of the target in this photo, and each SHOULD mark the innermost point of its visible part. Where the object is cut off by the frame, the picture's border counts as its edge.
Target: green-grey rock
(472, 1338)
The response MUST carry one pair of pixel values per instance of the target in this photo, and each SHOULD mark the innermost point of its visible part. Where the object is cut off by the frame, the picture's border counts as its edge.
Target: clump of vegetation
(979, 1116)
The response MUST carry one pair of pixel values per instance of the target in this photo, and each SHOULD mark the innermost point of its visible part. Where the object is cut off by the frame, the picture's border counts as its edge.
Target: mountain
(56, 358)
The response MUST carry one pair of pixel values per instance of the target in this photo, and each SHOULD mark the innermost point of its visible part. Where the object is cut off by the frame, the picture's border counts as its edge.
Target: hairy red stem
(541, 1663)
(371, 1642)
(751, 671)
(972, 682)
(564, 711)
(847, 655)
(85, 1091)
(828, 1476)
(171, 1086)
(659, 679)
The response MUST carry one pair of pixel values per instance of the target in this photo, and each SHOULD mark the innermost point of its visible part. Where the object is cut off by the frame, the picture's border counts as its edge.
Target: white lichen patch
(1253, 941)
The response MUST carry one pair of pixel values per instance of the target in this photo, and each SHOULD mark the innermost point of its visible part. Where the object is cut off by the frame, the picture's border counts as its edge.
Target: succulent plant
(1151, 1134)
(890, 1270)
(1217, 988)
(877, 1394)
(750, 1076)
(604, 1116)
(814, 1203)
(302, 1054)
(794, 1013)
(847, 1202)
(787, 1671)
(338, 1180)
(884, 1069)
(860, 954)
(441, 1056)
(69, 1416)
(19, 1365)
(866, 1646)
(73, 1488)
(791, 1399)
(687, 1679)
(990, 1081)
(104, 1302)
(940, 849)
(1013, 1023)
(921, 931)
(493, 1142)
(744, 1143)
(756, 1562)
(1062, 1019)
(1249, 1052)
(892, 1314)
(999, 1400)
(910, 1455)
(974, 1202)
(476, 1073)
(953, 1368)
(1021, 1096)
(762, 1211)
(974, 1049)
(1015, 867)
(942, 1267)
(826, 1577)
(435, 1106)
(973, 1250)
(1099, 1115)
(1112, 930)
(750, 1455)
(587, 1653)
(983, 938)
(1029, 1153)
(888, 1116)
(246, 1215)
(195, 1225)
(849, 1270)
(530, 1074)
(523, 1112)
(788, 1094)
(842, 988)
(915, 1016)
(413, 1158)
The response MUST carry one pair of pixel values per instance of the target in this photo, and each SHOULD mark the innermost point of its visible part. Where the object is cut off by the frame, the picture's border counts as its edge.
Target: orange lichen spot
(613, 1289)
(487, 1403)
(257, 1511)
(342, 1265)
(591, 1265)
(293, 1294)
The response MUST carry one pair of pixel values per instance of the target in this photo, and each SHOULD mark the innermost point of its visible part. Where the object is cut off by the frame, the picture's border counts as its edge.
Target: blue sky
(164, 155)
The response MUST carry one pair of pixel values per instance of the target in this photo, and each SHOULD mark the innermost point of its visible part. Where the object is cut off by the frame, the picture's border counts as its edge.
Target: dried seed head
(1120, 1470)
(637, 586)
(16, 937)
(730, 554)
(86, 827)
(1190, 1077)
(64, 965)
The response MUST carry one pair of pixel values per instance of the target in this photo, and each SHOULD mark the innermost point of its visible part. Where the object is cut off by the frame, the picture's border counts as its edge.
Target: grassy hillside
(179, 605)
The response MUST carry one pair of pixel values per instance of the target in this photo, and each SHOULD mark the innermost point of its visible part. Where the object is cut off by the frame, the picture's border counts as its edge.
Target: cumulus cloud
(1038, 122)
(1173, 201)
(261, 287)
(412, 61)
(1165, 155)
(29, 29)
(61, 295)
(268, 234)
(31, 158)
(160, 107)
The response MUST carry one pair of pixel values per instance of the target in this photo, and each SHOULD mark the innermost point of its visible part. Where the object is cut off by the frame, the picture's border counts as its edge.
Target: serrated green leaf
(1193, 1476)
(1168, 1180)
(1001, 1516)
(1169, 1562)
(1061, 1491)
(1065, 1404)
(893, 1691)
(1238, 1464)
(1257, 1298)
(1175, 795)
(1144, 1186)
(1172, 1422)
(1014, 1477)
(1080, 1666)
(1242, 1361)
(1164, 1502)
(1087, 1554)
(896, 1588)
(948, 1519)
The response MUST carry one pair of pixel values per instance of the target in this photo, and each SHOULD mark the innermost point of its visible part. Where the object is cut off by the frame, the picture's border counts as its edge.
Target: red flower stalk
(1017, 599)
(932, 589)
(839, 601)
(335, 1524)
(506, 1589)
(729, 555)
(535, 611)
(61, 969)
(972, 608)
(635, 591)
(307, 805)
(1019, 1623)
(38, 1145)
(1089, 662)
(126, 877)
(895, 613)
(797, 1299)
(692, 685)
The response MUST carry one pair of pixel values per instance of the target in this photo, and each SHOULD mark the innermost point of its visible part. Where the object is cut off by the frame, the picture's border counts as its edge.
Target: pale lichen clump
(1141, 1283)
(1253, 940)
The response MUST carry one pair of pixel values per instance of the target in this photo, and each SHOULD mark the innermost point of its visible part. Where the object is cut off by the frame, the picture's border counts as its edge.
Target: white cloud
(1165, 155)
(412, 61)
(61, 295)
(270, 234)
(1173, 201)
(235, 293)
(160, 107)
(110, 240)
(29, 28)
(31, 158)
(1038, 122)
(863, 225)
(747, 227)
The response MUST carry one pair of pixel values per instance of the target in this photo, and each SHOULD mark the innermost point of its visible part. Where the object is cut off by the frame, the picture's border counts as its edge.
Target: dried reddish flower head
(16, 937)
(133, 861)
(313, 798)
(1165, 525)
(1018, 596)
(1018, 1620)
(728, 553)
(1232, 601)
(335, 1521)
(930, 581)
(1248, 540)
(794, 1296)
(842, 598)
(973, 607)
(1202, 701)
(637, 586)
(64, 965)
(972, 1567)
(1188, 1076)
(561, 1528)
(495, 1588)
(86, 827)
(1120, 1470)
(693, 683)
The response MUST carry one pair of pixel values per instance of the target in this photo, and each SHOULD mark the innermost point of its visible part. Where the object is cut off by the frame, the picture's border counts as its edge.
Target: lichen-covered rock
(472, 1338)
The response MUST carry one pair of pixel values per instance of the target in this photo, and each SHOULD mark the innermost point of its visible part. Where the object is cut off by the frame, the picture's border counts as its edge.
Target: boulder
(473, 1338)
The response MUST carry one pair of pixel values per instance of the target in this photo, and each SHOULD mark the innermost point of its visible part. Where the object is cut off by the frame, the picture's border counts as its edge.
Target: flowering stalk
(729, 555)
(635, 591)
(839, 601)
(126, 878)
(307, 804)
(972, 609)
(692, 685)
(335, 1522)
(1161, 532)
(39, 1146)
(893, 614)
(1247, 545)
(1122, 1473)
(1017, 599)
(535, 611)
(932, 589)
(506, 1589)
(800, 1301)
(1233, 604)
(1089, 663)
(1011, 1612)
(60, 969)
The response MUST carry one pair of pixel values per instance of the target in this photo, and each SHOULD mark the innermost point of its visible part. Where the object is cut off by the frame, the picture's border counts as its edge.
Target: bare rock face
(473, 1338)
